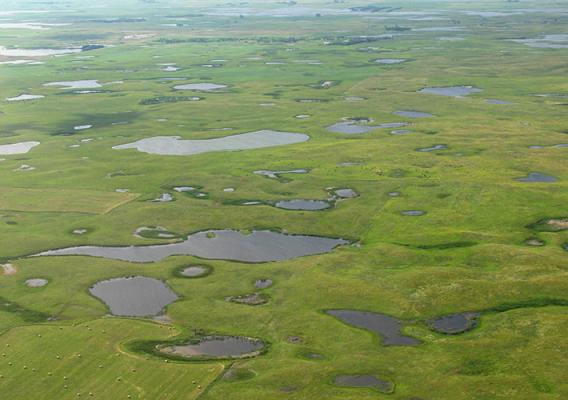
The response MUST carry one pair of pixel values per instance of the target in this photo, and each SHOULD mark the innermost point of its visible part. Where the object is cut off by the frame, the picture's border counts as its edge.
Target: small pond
(36, 282)
(454, 324)
(451, 91)
(136, 296)
(25, 97)
(364, 381)
(306, 205)
(413, 114)
(387, 327)
(217, 347)
(201, 87)
(537, 177)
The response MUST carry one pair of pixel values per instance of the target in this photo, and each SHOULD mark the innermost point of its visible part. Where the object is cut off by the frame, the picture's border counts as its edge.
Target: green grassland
(467, 253)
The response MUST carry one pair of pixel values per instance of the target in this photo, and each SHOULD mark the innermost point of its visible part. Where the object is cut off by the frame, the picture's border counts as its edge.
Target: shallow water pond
(258, 246)
(253, 299)
(174, 145)
(36, 282)
(413, 213)
(391, 60)
(451, 91)
(262, 283)
(454, 324)
(413, 114)
(345, 193)
(25, 97)
(276, 174)
(387, 327)
(364, 381)
(17, 148)
(217, 347)
(195, 271)
(16, 52)
(433, 148)
(84, 84)
(353, 127)
(498, 102)
(201, 87)
(136, 296)
(537, 177)
(306, 205)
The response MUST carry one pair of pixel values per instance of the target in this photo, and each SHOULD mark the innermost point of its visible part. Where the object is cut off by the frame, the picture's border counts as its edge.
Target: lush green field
(467, 253)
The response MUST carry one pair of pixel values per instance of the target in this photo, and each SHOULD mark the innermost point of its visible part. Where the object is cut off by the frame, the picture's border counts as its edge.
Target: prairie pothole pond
(154, 232)
(201, 87)
(344, 193)
(364, 381)
(135, 296)
(413, 114)
(217, 347)
(435, 147)
(252, 299)
(357, 126)
(84, 84)
(390, 61)
(451, 91)
(263, 283)
(195, 271)
(36, 282)
(255, 247)
(537, 177)
(25, 97)
(277, 174)
(17, 148)
(175, 146)
(304, 205)
(454, 324)
(413, 213)
(387, 327)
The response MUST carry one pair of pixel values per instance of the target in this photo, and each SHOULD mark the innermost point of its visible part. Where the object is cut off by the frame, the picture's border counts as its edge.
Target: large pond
(217, 347)
(136, 296)
(258, 246)
(174, 145)
(387, 327)
(17, 148)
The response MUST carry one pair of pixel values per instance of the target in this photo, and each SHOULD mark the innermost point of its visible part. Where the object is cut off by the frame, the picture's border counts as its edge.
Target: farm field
(284, 200)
